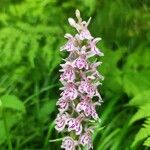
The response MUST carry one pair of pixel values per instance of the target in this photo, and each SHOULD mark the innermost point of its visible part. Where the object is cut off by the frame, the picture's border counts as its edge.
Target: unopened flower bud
(72, 22)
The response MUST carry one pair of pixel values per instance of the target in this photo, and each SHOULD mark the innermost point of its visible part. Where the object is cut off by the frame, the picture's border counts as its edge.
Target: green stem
(56, 140)
(36, 100)
(49, 134)
(6, 128)
(43, 90)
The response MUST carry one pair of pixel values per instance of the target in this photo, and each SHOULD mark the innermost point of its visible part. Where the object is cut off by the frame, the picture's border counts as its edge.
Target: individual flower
(60, 121)
(94, 72)
(88, 107)
(63, 104)
(75, 124)
(81, 62)
(85, 34)
(93, 47)
(70, 92)
(68, 143)
(70, 45)
(86, 140)
(87, 87)
(68, 73)
(85, 107)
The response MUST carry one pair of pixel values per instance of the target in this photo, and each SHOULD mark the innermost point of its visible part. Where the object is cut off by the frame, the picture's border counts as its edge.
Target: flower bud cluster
(80, 79)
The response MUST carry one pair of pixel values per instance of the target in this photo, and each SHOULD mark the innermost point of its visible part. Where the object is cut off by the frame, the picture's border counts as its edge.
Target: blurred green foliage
(31, 32)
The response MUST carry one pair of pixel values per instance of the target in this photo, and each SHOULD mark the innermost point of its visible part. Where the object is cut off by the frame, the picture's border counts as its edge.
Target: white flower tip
(67, 35)
(83, 48)
(72, 22)
(77, 13)
(102, 77)
(61, 48)
(78, 16)
(99, 120)
(97, 39)
(101, 54)
(88, 22)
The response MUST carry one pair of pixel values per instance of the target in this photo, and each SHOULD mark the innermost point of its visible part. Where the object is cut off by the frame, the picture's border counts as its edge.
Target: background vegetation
(31, 32)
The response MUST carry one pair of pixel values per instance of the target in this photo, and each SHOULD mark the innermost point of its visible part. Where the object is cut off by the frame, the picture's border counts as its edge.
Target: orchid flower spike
(80, 79)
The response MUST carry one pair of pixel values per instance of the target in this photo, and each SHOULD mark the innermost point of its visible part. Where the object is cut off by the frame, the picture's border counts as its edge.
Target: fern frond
(140, 99)
(143, 133)
(143, 112)
(147, 142)
(136, 82)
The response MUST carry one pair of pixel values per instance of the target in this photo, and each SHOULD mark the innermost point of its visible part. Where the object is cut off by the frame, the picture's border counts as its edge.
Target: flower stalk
(80, 78)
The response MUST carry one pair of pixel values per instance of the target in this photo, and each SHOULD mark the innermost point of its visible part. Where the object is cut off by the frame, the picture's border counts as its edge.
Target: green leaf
(140, 99)
(107, 141)
(134, 59)
(97, 131)
(12, 102)
(47, 108)
(136, 82)
(2, 132)
(11, 120)
(147, 142)
(113, 79)
(143, 112)
(90, 5)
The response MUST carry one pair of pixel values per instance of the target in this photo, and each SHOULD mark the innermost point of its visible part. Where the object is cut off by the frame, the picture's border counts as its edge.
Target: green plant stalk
(49, 134)
(36, 100)
(56, 140)
(33, 136)
(43, 90)
(6, 129)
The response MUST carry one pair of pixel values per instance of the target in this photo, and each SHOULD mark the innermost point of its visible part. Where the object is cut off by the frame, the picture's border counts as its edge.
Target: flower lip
(70, 91)
(61, 121)
(74, 124)
(86, 139)
(63, 105)
(69, 143)
(68, 74)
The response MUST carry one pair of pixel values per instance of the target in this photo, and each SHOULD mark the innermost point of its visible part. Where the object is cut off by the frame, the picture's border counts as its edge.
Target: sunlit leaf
(12, 102)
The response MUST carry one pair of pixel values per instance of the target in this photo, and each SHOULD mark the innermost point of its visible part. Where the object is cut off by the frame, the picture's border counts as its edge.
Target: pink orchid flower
(68, 143)
(80, 79)
(70, 92)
